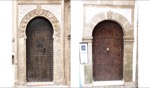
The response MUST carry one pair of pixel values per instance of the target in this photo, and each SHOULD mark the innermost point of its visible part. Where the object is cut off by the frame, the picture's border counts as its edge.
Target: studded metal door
(107, 51)
(39, 50)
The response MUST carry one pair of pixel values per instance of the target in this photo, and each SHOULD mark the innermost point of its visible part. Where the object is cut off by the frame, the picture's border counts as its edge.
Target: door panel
(107, 51)
(39, 50)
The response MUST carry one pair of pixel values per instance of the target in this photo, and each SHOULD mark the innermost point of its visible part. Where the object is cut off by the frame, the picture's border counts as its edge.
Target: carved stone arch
(124, 23)
(35, 13)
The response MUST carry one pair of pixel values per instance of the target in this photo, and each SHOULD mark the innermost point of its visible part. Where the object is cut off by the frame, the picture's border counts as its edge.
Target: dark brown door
(39, 50)
(107, 51)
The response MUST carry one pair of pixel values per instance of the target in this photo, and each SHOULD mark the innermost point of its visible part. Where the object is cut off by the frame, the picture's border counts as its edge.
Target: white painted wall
(76, 38)
(6, 73)
(91, 11)
(135, 43)
(144, 43)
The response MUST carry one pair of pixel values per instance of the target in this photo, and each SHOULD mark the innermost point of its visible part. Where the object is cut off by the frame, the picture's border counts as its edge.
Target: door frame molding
(128, 40)
(21, 44)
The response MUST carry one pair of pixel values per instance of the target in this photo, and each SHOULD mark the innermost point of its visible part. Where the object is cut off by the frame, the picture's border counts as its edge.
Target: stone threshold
(109, 83)
(43, 85)
(106, 84)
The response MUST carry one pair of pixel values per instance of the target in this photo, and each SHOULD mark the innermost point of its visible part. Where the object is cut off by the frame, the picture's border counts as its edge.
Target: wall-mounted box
(83, 53)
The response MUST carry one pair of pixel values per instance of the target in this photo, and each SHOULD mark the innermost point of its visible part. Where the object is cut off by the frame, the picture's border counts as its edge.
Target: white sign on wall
(83, 53)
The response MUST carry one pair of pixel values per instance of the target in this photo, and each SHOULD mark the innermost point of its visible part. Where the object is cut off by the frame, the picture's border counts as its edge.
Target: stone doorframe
(58, 68)
(128, 39)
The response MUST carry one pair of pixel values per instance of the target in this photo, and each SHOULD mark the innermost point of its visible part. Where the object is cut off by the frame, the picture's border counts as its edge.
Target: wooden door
(107, 51)
(39, 50)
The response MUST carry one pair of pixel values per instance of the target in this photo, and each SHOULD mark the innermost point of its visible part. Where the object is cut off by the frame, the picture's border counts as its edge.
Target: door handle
(107, 49)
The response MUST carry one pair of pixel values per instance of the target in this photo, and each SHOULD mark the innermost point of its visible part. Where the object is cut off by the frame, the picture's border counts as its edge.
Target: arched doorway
(107, 51)
(39, 50)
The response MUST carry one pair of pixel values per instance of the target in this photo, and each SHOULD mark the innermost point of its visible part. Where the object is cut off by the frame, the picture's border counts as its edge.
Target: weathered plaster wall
(24, 9)
(92, 10)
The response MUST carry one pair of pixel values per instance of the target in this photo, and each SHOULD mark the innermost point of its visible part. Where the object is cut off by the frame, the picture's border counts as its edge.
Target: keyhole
(44, 50)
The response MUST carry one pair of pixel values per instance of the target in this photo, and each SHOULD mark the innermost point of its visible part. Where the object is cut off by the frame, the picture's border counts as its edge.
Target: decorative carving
(109, 14)
(21, 35)
(38, 6)
(39, 12)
